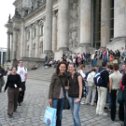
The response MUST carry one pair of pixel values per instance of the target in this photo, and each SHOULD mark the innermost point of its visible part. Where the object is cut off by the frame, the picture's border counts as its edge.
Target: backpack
(98, 79)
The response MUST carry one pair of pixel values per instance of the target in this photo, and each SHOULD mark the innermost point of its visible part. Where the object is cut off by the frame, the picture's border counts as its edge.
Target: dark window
(111, 19)
(96, 23)
(41, 30)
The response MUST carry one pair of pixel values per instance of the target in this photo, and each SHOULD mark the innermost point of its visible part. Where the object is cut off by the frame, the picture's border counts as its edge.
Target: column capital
(41, 22)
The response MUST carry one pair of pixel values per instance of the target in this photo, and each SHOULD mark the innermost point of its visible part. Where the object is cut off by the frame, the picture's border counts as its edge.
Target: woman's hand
(50, 102)
(77, 100)
(66, 87)
(20, 89)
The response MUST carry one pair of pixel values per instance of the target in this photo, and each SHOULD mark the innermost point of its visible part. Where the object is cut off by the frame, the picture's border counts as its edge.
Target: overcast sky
(6, 8)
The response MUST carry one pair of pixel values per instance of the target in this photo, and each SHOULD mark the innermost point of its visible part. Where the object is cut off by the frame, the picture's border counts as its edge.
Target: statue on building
(9, 18)
(17, 15)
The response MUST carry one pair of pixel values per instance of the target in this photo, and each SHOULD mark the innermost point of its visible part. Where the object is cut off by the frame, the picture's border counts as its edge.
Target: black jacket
(105, 77)
(73, 86)
(13, 80)
(124, 79)
(2, 72)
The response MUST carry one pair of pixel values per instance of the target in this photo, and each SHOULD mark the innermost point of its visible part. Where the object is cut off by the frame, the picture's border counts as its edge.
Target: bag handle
(64, 91)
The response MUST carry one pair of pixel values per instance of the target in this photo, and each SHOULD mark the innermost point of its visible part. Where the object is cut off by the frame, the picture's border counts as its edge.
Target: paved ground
(32, 110)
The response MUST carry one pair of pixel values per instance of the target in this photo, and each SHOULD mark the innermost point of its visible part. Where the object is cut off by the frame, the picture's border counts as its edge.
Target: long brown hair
(57, 68)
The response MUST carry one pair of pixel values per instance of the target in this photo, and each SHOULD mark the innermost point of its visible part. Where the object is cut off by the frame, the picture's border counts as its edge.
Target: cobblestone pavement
(32, 110)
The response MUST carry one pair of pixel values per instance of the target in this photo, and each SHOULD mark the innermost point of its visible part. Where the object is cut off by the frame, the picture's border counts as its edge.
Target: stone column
(105, 22)
(119, 40)
(14, 44)
(22, 41)
(8, 47)
(119, 18)
(48, 28)
(63, 24)
(37, 40)
(11, 41)
(30, 42)
(85, 23)
(1, 57)
(54, 32)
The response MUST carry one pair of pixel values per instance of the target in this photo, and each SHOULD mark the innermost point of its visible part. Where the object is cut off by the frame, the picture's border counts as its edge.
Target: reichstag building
(56, 27)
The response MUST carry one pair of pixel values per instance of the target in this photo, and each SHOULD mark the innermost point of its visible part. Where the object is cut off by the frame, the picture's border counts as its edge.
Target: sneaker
(92, 104)
(82, 102)
(103, 114)
(97, 113)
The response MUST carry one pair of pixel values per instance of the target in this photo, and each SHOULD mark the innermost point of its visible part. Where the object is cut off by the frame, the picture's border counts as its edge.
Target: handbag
(66, 104)
(124, 95)
(120, 96)
(50, 116)
(2, 81)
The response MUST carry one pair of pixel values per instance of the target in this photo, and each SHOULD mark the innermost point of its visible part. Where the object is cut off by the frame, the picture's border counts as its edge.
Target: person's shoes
(92, 104)
(82, 102)
(10, 115)
(103, 114)
(113, 119)
(19, 104)
(97, 113)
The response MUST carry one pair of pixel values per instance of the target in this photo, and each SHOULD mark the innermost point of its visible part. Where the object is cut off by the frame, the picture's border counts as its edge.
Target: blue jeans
(75, 108)
(58, 104)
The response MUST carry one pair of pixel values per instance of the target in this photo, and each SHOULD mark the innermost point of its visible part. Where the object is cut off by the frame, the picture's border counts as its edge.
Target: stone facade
(55, 27)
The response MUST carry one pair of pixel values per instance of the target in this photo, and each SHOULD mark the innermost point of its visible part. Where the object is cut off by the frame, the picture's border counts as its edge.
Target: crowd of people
(95, 59)
(96, 86)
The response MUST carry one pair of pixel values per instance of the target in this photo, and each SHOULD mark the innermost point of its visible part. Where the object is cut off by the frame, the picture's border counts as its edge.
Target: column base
(61, 51)
(85, 47)
(48, 53)
(8, 65)
(117, 43)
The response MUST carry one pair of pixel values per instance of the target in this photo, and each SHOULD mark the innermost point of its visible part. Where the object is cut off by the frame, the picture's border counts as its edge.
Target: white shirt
(22, 72)
(116, 77)
(90, 78)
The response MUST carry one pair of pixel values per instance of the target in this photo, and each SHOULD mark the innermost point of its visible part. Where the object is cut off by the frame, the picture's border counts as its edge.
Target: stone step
(45, 74)
(41, 74)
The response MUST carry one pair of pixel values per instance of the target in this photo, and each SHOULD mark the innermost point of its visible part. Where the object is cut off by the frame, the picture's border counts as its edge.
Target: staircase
(43, 74)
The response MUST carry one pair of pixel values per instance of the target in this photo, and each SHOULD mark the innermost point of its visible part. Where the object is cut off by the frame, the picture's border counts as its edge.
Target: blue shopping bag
(50, 116)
